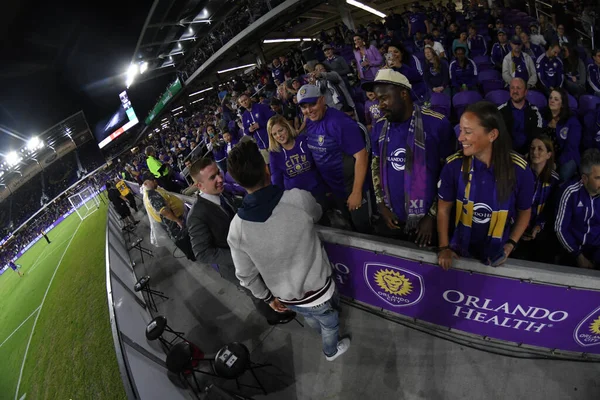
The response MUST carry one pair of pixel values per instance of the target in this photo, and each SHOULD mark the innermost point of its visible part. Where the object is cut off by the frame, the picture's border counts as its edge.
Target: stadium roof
(172, 29)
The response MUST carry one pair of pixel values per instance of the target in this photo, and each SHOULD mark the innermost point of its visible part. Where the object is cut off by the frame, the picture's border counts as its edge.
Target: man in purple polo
(255, 120)
(338, 148)
(409, 146)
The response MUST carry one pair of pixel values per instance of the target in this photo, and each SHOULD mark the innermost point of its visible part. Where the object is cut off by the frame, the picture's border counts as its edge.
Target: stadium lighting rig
(200, 91)
(267, 41)
(13, 158)
(366, 8)
(236, 68)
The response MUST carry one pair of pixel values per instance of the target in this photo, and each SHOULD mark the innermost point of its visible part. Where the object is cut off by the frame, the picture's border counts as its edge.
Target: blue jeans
(324, 318)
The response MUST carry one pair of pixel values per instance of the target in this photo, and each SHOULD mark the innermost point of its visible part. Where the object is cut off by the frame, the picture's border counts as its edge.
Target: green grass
(71, 355)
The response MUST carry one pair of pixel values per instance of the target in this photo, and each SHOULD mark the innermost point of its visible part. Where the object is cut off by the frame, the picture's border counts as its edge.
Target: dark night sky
(61, 57)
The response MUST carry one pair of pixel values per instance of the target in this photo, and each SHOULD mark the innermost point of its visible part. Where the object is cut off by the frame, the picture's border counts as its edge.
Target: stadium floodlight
(176, 114)
(13, 158)
(34, 144)
(236, 68)
(366, 8)
(164, 119)
(200, 91)
(143, 67)
(132, 71)
(195, 101)
(178, 108)
(267, 41)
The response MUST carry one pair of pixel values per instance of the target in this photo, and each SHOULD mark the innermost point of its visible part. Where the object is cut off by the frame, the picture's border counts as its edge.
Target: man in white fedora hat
(409, 146)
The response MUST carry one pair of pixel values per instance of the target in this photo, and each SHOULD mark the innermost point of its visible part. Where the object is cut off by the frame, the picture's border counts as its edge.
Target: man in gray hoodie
(277, 253)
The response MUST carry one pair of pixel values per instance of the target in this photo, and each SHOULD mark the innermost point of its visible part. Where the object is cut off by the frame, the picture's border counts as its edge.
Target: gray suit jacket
(208, 226)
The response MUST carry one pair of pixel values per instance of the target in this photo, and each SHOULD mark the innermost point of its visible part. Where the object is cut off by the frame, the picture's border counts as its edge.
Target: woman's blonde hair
(279, 120)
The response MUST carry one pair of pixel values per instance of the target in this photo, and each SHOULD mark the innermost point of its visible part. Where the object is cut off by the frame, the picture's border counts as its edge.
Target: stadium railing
(521, 308)
(142, 366)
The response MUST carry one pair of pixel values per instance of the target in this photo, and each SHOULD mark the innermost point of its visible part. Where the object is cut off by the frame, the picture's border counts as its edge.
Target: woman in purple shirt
(292, 165)
(489, 185)
(368, 60)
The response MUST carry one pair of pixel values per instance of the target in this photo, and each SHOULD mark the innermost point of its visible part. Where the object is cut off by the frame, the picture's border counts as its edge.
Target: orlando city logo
(321, 140)
(396, 286)
(587, 332)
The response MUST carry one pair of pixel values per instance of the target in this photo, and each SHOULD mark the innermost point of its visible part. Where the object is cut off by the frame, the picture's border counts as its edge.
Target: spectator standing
(120, 203)
(407, 155)
(277, 252)
(331, 85)
(517, 64)
(338, 148)
(523, 120)
(564, 128)
(160, 170)
(477, 43)
(578, 218)
(550, 69)
(126, 193)
(534, 242)
(292, 164)
(436, 72)
(372, 112)
(489, 185)
(255, 123)
(368, 60)
(168, 210)
(337, 64)
(400, 60)
(209, 221)
(417, 21)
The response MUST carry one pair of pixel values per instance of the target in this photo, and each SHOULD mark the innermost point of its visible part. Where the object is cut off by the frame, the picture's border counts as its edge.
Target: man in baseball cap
(500, 49)
(408, 145)
(338, 147)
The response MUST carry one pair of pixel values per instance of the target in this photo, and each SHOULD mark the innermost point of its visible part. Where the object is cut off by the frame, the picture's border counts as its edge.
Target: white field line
(46, 255)
(40, 310)
(18, 327)
(23, 397)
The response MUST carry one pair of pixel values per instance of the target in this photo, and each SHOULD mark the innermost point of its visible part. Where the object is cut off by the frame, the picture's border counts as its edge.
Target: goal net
(85, 202)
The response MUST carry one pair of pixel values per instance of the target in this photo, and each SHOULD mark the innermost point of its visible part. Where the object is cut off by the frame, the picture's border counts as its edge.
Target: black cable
(460, 342)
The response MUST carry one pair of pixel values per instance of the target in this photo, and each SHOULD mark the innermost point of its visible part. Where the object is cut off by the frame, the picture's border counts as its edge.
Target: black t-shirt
(115, 197)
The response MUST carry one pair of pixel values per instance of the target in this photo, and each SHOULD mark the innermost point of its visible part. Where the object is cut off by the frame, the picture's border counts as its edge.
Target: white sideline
(18, 327)
(39, 260)
(40, 310)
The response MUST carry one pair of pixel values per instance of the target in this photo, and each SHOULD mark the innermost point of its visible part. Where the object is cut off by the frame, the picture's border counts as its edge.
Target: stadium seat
(491, 85)
(538, 99)
(483, 63)
(461, 100)
(572, 103)
(487, 75)
(440, 102)
(588, 103)
(457, 130)
(498, 96)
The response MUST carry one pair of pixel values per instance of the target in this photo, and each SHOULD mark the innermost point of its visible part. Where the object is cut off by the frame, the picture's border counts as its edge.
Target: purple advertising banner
(502, 308)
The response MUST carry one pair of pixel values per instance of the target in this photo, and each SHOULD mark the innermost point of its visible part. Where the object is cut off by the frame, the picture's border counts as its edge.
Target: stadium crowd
(297, 107)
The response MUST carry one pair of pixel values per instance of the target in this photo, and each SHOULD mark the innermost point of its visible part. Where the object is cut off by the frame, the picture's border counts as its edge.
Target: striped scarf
(466, 192)
(415, 170)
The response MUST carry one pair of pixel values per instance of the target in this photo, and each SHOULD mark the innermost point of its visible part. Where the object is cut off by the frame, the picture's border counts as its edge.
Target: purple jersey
(296, 168)
(372, 112)
(259, 113)
(437, 133)
(417, 22)
(521, 197)
(333, 141)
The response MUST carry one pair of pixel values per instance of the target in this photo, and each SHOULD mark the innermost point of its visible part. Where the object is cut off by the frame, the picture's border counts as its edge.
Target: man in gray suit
(208, 225)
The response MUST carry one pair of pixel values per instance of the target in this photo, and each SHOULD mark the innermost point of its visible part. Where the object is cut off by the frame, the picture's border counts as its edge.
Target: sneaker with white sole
(342, 346)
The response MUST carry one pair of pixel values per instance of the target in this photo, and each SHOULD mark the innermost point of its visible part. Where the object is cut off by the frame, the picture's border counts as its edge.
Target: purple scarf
(415, 171)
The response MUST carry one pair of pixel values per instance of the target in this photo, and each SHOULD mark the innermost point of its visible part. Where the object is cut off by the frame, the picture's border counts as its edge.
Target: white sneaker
(342, 346)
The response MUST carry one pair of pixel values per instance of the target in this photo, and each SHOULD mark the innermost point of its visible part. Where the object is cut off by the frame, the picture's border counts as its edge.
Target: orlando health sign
(502, 308)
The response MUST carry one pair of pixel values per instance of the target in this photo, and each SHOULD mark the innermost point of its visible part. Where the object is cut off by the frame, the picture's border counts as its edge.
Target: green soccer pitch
(55, 336)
